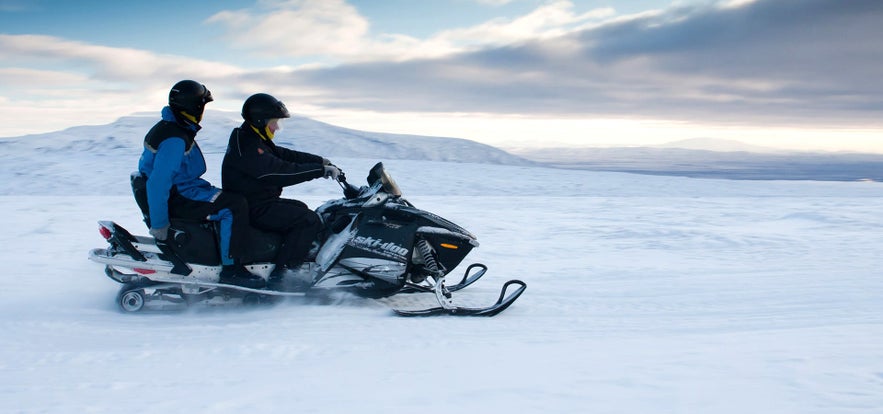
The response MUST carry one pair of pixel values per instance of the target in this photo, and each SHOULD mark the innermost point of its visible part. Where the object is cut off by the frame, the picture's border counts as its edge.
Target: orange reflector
(450, 246)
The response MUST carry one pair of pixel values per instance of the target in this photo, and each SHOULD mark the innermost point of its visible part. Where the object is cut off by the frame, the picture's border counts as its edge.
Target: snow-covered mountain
(117, 146)
(717, 145)
(724, 161)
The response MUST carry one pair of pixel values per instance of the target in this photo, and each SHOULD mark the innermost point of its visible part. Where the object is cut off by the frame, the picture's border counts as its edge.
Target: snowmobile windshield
(389, 185)
(379, 173)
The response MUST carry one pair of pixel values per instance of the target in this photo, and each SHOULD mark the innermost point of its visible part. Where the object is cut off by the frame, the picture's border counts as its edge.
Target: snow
(645, 295)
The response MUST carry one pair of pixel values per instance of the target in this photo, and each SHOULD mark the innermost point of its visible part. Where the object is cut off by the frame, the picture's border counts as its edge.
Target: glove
(326, 161)
(332, 172)
(160, 234)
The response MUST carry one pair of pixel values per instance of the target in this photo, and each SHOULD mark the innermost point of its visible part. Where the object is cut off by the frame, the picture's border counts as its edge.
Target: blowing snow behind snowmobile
(375, 244)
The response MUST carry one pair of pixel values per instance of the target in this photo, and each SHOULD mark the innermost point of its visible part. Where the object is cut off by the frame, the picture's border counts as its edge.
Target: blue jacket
(174, 161)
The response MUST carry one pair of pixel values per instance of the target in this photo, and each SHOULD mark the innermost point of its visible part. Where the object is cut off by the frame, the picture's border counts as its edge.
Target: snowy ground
(645, 295)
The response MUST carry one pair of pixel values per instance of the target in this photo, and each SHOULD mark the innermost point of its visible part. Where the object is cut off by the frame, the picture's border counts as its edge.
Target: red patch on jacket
(260, 151)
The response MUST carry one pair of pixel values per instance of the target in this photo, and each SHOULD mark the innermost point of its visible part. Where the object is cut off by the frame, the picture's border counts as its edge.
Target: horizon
(698, 144)
(789, 74)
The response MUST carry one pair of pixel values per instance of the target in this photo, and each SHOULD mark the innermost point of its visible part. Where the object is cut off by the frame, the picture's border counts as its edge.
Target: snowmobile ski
(502, 303)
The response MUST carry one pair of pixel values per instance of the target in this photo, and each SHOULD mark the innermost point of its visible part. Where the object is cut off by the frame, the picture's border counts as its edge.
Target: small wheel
(131, 300)
(252, 299)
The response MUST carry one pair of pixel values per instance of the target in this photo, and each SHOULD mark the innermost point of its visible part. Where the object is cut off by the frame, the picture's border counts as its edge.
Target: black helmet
(190, 96)
(261, 107)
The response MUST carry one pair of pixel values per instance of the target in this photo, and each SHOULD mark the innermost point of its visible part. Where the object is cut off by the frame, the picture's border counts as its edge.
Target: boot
(240, 276)
(276, 280)
(304, 272)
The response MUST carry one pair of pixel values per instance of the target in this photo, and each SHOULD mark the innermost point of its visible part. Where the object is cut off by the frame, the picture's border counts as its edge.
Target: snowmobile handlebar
(377, 176)
(349, 191)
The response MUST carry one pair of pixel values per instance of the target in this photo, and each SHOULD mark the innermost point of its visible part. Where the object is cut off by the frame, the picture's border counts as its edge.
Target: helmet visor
(206, 95)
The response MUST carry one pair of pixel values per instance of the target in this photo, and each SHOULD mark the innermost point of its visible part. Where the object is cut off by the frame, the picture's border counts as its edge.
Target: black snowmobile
(375, 244)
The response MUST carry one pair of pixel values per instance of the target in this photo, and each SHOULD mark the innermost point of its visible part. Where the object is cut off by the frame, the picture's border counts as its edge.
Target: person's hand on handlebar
(332, 172)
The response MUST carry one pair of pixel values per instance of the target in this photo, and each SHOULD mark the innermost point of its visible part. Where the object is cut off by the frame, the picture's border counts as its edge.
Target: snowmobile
(375, 244)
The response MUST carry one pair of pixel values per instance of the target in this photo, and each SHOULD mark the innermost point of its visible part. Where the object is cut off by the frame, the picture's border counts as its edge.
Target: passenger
(173, 165)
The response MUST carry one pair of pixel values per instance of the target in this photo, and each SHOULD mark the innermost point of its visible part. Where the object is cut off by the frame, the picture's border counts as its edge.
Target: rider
(259, 169)
(173, 165)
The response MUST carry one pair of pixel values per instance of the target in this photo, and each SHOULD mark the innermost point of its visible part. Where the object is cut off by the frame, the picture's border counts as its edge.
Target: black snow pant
(240, 230)
(298, 225)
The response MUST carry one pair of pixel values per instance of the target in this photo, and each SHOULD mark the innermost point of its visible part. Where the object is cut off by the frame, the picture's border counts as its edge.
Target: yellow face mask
(266, 133)
(192, 118)
(274, 125)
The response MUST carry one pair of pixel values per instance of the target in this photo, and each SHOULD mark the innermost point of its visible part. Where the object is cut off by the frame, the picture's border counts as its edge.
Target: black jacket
(258, 169)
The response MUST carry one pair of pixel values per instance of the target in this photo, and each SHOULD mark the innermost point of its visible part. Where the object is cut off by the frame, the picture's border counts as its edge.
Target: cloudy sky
(804, 74)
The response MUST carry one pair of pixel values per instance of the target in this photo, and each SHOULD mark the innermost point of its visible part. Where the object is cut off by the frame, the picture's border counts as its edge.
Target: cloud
(761, 62)
(780, 61)
(334, 31)
(296, 28)
(793, 56)
(14, 6)
(494, 2)
(47, 81)
(35, 78)
(548, 21)
(106, 63)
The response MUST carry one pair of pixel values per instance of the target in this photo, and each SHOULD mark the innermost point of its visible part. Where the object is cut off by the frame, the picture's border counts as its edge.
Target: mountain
(700, 163)
(718, 145)
(35, 160)
(126, 134)
(32, 160)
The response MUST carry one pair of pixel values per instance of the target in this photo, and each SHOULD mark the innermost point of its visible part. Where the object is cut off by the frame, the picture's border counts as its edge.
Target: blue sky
(798, 74)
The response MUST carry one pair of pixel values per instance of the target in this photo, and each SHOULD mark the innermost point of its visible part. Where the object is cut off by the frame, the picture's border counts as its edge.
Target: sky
(796, 74)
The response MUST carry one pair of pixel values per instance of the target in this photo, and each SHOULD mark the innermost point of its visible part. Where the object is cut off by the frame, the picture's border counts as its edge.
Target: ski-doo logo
(378, 246)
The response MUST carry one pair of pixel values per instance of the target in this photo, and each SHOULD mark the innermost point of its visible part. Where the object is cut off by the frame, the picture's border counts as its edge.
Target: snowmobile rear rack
(121, 239)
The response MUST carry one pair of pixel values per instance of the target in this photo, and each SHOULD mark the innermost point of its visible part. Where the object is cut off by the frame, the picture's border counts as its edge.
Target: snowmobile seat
(190, 237)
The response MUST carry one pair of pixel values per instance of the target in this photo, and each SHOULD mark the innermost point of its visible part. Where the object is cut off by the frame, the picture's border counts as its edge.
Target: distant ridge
(66, 160)
(126, 134)
(715, 164)
(717, 145)
(41, 163)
